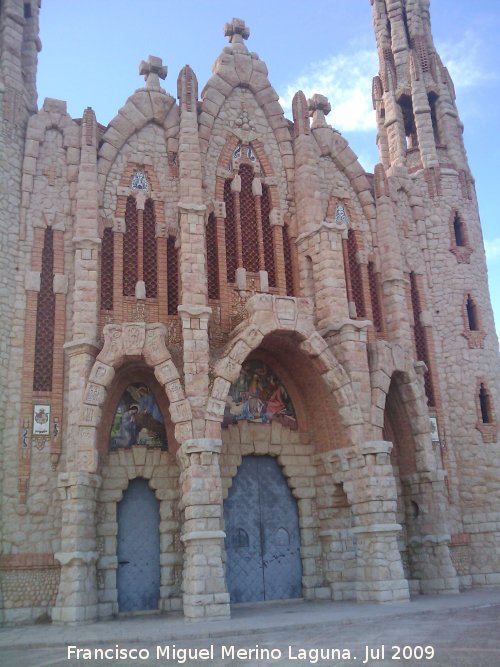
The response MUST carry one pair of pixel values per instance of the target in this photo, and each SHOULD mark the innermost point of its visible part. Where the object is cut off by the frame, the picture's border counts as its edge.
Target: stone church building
(234, 365)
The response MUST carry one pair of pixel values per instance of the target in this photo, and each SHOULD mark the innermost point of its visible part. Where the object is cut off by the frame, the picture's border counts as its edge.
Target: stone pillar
(347, 339)
(428, 536)
(371, 488)
(196, 361)
(205, 595)
(77, 596)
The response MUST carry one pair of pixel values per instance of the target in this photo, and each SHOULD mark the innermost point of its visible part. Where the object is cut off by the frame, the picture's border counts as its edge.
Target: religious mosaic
(138, 420)
(259, 396)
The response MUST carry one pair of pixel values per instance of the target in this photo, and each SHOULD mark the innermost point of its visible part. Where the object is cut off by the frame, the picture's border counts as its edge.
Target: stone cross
(153, 70)
(51, 174)
(319, 107)
(237, 31)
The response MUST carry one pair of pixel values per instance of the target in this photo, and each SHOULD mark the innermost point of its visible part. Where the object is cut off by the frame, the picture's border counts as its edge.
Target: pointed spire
(300, 113)
(237, 31)
(187, 88)
(153, 70)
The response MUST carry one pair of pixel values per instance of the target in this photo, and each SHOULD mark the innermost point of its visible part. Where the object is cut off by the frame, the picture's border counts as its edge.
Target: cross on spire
(153, 70)
(237, 31)
(319, 107)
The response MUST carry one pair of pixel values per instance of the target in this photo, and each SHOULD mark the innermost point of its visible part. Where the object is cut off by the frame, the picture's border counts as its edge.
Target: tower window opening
(472, 319)
(409, 122)
(435, 127)
(485, 404)
(458, 229)
(27, 10)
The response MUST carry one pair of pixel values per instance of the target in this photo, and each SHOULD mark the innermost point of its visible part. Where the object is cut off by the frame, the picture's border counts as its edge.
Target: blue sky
(92, 49)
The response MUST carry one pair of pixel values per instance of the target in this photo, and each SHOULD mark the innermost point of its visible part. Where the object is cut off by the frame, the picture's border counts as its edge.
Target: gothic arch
(143, 107)
(387, 362)
(292, 318)
(130, 340)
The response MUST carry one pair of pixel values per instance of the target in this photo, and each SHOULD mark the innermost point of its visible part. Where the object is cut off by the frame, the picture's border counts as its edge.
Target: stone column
(428, 536)
(371, 488)
(205, 595)
(77, 596)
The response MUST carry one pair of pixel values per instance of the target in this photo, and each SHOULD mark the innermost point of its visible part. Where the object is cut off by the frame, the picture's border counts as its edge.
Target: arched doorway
(262, 534)
(138, 550)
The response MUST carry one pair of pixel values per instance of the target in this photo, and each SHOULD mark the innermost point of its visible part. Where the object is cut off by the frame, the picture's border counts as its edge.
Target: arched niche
(133, 373)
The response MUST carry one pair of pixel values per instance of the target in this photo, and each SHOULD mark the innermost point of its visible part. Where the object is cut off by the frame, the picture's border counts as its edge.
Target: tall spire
(413, 94)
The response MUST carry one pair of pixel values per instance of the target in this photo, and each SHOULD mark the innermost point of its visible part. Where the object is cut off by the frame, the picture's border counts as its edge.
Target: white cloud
(492, 250)
(346, 79)
(466, 69)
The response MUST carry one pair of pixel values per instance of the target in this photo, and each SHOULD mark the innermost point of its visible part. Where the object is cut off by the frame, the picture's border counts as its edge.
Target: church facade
(235, 366)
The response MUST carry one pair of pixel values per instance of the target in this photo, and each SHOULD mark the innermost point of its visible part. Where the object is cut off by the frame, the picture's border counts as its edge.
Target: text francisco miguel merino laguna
(175, 654)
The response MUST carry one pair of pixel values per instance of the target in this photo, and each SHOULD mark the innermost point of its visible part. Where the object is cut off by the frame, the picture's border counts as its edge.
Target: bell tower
(413, 94)
(434, 213)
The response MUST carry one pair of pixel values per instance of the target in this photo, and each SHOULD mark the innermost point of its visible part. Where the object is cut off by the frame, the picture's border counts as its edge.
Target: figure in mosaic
(259, 396)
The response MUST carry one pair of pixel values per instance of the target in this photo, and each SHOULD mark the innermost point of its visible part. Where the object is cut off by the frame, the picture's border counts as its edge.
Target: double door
(262, 534)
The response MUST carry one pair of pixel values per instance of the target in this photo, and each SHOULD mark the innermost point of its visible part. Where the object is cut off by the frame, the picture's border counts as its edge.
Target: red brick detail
(420, 338)
(44, 338)
(248, 217)
(212, 258)
(356, 281)
(267, 235)
(27, 561)
(172, 276)
(460, 539)
(130, 249)
(287, 252)
(230, 235)
(150, 259)
(107, 262)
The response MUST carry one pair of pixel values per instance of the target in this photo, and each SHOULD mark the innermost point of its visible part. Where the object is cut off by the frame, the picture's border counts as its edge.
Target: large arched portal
(262, 534)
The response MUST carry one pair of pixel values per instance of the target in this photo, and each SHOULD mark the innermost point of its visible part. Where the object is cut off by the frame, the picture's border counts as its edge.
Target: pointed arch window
(486, 422)
(287, 251)
(45, 316)
(107, 269)
(472, 316)
(150, 260)
(267, 234)
(253, 240)
(375, 298)
(130, 248)
(458, 231)
(248, 216)
(230, 233)
(354, 279)
(410, 127)
(420, 338)
(473, 330)
(212, 257)
(460, 245)
(485, 404)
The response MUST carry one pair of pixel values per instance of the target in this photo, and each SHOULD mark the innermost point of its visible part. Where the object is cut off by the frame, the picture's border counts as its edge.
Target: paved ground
(442, 631)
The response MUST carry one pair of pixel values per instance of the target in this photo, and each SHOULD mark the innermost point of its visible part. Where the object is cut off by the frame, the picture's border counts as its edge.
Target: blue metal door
(262, 534)
(138, 575)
